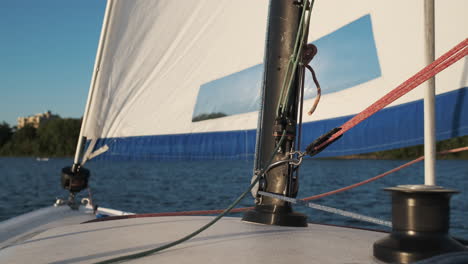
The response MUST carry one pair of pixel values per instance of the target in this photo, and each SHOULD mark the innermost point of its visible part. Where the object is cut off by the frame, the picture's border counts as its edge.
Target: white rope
(90, 154)
(329, 209)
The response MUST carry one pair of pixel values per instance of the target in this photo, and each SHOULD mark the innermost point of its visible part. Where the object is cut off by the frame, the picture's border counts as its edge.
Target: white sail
(181, 80)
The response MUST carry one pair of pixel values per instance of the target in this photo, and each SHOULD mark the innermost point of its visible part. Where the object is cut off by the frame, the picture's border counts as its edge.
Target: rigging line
(380, 175)
(450, 57)
(297, 55)
(328, 209)
(299, 126)
(291, 58)
(402, 90)
(356, 216)
(301, 109)
(243, 209)
(310, 51)
(212, 222)
(294, 57)
(301, 90)
(185, 213)
(365, 181)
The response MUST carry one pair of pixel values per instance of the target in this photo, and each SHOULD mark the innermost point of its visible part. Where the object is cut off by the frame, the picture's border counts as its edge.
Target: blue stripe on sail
(394, 127)
(197, 146)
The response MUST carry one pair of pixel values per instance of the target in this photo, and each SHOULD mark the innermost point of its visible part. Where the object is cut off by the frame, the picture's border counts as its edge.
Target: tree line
(54, 138)
(418, 151)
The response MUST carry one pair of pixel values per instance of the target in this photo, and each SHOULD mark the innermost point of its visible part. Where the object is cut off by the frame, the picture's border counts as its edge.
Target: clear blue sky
(47, 51)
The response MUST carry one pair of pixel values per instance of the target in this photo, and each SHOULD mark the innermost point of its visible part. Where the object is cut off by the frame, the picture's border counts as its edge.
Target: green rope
(294, 60)
(293, 55)
(297, 55)
(203, 228)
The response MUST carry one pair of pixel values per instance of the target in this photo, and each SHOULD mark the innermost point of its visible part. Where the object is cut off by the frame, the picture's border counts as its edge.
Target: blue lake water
(147, 186)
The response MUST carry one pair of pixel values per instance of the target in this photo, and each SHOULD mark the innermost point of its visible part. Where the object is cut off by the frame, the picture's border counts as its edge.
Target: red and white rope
(449, 58)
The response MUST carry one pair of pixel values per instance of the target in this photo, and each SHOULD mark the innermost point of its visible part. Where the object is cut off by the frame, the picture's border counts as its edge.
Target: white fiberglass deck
(228, 241)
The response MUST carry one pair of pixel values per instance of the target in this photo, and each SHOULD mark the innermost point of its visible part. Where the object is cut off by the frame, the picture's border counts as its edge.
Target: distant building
(36, 120)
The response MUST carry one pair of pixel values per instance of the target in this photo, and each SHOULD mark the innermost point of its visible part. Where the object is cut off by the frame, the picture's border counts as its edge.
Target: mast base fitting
(420, 224)
(275, 215)
(75, 181)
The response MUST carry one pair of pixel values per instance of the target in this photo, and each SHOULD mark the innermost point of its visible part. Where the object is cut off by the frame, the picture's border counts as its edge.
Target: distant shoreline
(414, 152)
(58, 137)
(370, 157)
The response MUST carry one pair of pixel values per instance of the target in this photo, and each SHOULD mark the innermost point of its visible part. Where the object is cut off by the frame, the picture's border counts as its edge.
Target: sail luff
(102, 38)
